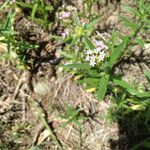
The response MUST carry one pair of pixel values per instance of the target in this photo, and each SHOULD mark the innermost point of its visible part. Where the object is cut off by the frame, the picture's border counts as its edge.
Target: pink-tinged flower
(100, 45)
(65, 33)
(64, 15)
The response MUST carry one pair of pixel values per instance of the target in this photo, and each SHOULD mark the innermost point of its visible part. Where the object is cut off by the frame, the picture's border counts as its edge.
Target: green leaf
(134, 11)
(143, 95)
(6, 31)
(93, 73)
(25, 5)
(136, 147)
(130, 24)
(49, 8)
(88, 43)
(4, 4)
(76, 20)
(84, 66)
(147, 74)
(67, 55)
(34, 148)
(90, 82)
(140, 42)
(142, 6)
(117, 51)
(137, 107)
(56, 37)
(146, 144)
(147, 115)
(92, 23)
(34, 10)
(103, 87)
(126, 86)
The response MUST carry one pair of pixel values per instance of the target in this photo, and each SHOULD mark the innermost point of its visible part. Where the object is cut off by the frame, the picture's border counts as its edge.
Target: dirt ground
(21, 127)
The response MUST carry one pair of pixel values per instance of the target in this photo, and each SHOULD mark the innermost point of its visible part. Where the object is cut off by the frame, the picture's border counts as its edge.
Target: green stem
(43, 120)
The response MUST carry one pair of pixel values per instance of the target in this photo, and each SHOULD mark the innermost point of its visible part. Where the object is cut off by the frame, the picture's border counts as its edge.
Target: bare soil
(20, 125)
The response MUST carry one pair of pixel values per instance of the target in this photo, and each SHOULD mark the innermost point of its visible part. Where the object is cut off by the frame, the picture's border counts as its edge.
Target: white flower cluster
(96, 55)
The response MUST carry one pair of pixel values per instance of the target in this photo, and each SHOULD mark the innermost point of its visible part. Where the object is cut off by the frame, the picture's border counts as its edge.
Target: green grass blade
(25, 5)
(34, 11)
(4, 5)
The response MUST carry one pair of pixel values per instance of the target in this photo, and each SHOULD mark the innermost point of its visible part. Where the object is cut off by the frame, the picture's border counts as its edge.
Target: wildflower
(87, 58)
(65, 33)
(91, 59)
(96, 55)
(100, 45)
(12, 1)
(92, 63)
(89, 52)
(64, 15)
(60, 69)
(102, 55)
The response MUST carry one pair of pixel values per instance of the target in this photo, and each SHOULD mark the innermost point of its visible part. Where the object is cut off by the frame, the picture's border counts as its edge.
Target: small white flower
(67, 31)
(89, 52)
(12, 1)
(93, 58)
(92, 63)
(60, 69)
(87, 58)
(102, 55)
(98, 49)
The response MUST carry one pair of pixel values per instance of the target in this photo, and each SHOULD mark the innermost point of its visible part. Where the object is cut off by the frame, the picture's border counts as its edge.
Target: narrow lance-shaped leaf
(4, 4)
(143, 95)
(34, 11)
(92, 23)
(140, 42)
(84, 66)
(147, 74)
(25, 5)
(126, 86)
(103, 87)
(128, 23)
(117, 52)
(76, 20)
(88, 43)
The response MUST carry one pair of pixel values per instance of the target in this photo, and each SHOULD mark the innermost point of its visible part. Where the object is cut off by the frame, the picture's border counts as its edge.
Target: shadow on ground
(133, 134)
